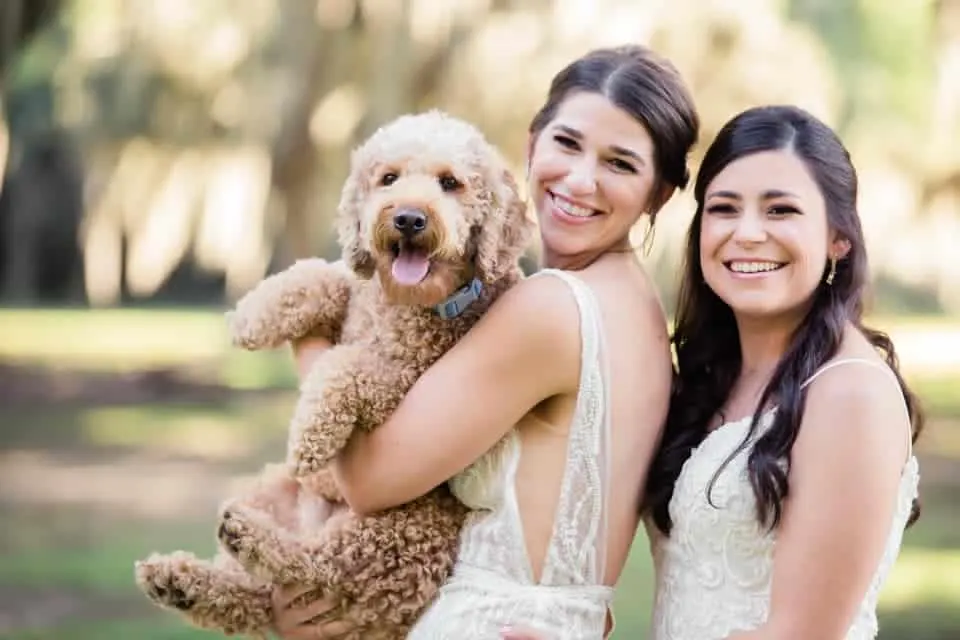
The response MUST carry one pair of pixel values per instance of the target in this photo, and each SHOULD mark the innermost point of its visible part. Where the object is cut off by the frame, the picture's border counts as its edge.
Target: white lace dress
(492, 583)
(714, 572)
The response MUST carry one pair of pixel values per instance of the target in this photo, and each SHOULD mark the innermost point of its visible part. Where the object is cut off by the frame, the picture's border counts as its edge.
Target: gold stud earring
(833, 271)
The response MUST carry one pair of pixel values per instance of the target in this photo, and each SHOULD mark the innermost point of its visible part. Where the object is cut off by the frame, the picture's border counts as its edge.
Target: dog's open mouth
(411, 263)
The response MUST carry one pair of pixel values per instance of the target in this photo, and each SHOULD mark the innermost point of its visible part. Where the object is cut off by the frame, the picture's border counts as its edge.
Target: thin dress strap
(577, 549)
(876, 365)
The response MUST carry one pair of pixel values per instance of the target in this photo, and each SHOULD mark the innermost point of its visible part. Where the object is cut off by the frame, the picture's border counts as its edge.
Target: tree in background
(212, 141)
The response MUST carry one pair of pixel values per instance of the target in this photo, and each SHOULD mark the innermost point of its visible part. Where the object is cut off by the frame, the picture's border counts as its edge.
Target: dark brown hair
(706, 339)
(646, 86)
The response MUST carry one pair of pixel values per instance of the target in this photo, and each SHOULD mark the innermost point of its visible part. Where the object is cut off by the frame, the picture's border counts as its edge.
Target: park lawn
(66, 565)
(921, 600)
(196, 340)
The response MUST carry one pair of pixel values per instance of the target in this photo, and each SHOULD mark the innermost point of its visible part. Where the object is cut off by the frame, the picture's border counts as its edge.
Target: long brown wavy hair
(706, 339)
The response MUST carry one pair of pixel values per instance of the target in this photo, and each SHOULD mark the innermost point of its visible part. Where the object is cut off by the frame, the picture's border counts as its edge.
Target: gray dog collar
(460, 300)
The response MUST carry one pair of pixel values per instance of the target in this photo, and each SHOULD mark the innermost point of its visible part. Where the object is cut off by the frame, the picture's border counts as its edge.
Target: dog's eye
(449, 183)
(388, 179)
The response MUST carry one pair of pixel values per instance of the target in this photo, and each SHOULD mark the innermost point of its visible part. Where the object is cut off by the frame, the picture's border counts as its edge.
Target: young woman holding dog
(779, 497)
(563, 385)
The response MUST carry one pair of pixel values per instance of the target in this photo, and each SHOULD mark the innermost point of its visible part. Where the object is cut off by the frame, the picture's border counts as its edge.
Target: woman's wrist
(306, 350)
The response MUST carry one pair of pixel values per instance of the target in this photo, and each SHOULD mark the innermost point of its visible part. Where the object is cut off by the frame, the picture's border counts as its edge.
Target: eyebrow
(620, 151)
(770, 194)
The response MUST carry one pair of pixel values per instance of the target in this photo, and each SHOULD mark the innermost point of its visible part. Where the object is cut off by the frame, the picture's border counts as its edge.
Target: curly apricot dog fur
(432, 229)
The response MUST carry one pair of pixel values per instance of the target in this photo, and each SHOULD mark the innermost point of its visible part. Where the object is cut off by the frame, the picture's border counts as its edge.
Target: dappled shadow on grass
(923, 622)
(87, 489)
(148, 627)
(39, 607)
(939, 523)
(152, 461)
(168, 428)
(157, 420)
(69, 568)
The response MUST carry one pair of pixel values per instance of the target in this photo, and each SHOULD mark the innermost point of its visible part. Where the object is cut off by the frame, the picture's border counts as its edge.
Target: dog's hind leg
(385, 568)
(215, 594)
(265, 550)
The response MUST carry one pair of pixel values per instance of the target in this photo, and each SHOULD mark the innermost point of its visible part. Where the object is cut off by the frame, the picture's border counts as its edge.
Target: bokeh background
(161, 157)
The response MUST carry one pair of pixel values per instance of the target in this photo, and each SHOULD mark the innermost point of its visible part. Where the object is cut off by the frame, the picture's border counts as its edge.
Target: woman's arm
(525, 349)
(306, 351)
(844, 478)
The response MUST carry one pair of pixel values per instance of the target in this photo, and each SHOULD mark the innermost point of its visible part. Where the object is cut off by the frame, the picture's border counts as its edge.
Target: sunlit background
(161, 157)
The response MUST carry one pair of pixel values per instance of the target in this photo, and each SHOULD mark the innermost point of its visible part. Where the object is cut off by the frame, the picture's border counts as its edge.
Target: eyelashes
(778, 210)
(617, 163)
(720, 208)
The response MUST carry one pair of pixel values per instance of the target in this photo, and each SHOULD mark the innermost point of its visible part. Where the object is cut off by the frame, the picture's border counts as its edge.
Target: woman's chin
(562, 244)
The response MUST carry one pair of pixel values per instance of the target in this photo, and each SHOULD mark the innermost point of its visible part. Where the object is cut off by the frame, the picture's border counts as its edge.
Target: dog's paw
(308, 298)
(261, 546)
(250, 538)
(206, 595)
(237, 533)
(169, 580)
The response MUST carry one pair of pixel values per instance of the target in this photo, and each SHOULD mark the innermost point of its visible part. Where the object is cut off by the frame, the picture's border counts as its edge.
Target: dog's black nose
(410, 222)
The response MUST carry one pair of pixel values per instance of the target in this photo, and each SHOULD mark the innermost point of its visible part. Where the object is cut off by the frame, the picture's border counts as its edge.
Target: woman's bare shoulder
(629, 298)
(856, 373)
(855, 400)
(535, 320)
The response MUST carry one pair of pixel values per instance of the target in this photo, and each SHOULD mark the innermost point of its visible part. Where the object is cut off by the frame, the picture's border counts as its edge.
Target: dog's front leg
(329, 408)
(309, 298)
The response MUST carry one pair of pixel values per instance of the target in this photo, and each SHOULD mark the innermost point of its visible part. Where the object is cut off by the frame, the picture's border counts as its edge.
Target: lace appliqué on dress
(493, 583)
(715, 570)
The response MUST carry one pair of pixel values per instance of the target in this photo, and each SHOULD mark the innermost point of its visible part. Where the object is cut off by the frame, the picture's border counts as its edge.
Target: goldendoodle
(432, 229)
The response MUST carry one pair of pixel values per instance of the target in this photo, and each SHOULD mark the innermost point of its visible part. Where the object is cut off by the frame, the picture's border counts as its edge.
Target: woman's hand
(298, 617)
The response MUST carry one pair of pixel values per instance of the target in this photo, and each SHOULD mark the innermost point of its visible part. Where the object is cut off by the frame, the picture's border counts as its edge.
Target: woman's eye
(721, 209)
(623, 165)
(783, 210)
(566, 141)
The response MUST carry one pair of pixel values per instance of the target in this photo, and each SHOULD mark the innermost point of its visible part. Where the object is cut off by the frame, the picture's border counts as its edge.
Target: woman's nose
(750, 228)
(582, 177)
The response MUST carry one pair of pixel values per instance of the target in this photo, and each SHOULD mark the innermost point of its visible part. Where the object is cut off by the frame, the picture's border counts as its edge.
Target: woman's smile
(570, 211)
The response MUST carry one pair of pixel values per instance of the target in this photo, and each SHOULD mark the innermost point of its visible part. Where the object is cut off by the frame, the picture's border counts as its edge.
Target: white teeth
(754, 267)
(572, 209)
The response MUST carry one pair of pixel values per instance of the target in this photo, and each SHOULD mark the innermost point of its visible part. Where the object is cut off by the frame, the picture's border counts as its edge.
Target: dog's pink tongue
(410, 267)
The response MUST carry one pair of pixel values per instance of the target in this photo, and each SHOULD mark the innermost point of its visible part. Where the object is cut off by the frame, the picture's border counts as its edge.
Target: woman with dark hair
(547, 414)
(786, 477)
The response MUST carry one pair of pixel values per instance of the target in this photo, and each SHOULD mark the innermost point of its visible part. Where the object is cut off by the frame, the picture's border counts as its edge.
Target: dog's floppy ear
(502, 237)
(355, 255)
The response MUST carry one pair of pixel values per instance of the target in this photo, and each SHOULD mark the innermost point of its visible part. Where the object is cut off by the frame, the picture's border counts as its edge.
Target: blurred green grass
(81, 548)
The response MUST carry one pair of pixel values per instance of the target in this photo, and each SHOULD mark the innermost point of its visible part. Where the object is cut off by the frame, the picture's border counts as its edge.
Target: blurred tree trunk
(19, 21)
(944, 178)
(366, 50)
(329, 56)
